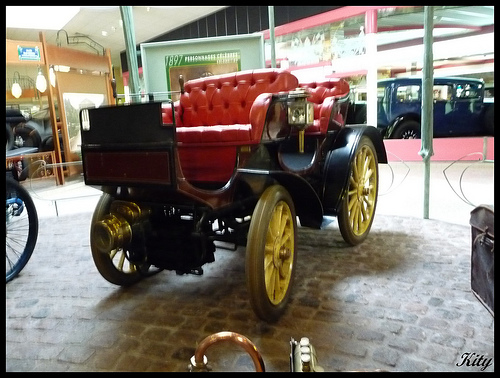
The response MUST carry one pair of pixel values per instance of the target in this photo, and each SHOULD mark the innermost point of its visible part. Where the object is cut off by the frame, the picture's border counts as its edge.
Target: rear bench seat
(325, 96)
(213, 117)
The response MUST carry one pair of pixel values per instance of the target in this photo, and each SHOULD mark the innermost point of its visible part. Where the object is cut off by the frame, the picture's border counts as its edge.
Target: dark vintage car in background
(460, 108)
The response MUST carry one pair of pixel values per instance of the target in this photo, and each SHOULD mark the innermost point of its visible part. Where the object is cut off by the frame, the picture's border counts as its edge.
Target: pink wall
(448, 149)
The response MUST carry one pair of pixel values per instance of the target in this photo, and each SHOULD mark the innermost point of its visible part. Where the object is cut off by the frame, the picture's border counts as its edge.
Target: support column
(371, 66)
(427, 126)
(58, 167)
(129, 34)
(270, 10)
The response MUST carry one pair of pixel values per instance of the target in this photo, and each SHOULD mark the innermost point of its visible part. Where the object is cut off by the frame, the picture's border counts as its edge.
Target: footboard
(127, 145)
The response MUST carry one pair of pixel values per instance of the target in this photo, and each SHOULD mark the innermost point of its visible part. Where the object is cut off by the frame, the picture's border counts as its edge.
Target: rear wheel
(358, 204)
(112, 264)
(270, 253)
(407, 130)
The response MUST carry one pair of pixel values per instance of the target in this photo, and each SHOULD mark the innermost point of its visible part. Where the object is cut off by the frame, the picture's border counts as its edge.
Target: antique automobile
(462, 107)
(237, 159)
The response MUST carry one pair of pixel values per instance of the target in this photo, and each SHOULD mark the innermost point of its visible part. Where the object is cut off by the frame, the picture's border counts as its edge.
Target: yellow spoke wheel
(113, 265)
(270, 253)
(359, 200)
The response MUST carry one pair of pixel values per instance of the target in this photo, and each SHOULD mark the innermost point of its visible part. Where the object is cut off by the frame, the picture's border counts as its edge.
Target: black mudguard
(307, 203)
(339, 159)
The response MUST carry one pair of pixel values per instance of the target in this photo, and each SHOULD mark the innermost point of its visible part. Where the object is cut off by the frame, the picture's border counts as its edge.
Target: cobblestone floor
(401, 301)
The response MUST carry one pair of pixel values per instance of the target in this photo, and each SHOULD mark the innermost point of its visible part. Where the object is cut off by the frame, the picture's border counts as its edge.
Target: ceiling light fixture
(41, 82)
(52, 76)
(16, 90)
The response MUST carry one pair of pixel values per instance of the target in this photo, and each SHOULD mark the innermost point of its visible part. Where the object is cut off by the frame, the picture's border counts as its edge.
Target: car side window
(408, 93)
(468, 95)
(467, 91)
(442, 92)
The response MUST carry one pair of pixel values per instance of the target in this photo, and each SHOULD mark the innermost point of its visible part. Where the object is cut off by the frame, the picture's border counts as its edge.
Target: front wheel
(270, 253)
(357, 207)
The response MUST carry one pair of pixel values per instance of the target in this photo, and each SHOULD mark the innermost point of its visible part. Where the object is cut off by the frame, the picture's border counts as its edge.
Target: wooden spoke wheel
(357, 208)
(113, 264)
(270, 253)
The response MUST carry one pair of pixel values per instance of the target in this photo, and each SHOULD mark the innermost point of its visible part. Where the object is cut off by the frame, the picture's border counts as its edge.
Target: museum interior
(250, 188)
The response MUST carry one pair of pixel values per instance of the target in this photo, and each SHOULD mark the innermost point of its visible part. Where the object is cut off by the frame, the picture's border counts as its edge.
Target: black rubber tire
(21, 229)
(30, 135)
(9, 138)
(275, 200)
(407, 130)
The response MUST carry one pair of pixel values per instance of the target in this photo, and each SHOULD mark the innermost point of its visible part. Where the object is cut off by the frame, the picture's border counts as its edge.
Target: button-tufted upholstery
(218, 113)
(325, 96)
(223, 103)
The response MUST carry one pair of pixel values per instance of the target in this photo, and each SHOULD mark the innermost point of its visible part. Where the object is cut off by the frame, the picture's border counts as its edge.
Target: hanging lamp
(16, 89)
(41, 82)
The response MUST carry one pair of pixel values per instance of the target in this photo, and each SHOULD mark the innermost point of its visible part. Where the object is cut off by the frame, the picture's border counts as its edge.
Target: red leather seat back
(320, 90)
(322, 93)
(226, 99)
(166, 113)
(213, 118)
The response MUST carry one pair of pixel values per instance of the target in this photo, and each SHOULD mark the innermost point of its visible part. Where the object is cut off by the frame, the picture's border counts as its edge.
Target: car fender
(306, 201)
(339, 159)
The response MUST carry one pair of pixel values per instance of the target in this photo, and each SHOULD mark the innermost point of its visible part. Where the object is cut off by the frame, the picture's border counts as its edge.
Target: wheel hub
(114, 231)
(277, 253)
(362, 190)
(279, 271)
(111, 233)
(281, 254)
(284, 253)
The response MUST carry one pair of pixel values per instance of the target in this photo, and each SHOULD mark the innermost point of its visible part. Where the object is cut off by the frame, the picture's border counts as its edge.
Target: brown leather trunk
(482, 255)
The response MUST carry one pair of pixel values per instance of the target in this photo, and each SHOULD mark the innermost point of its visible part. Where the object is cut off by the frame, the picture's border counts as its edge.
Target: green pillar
(271, 35)
(131, 52)
(427, 126)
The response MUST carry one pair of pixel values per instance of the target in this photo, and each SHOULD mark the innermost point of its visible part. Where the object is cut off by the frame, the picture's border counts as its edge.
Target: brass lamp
(300, 113)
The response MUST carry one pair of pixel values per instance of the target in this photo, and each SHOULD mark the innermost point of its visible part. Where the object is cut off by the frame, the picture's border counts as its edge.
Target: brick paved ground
(399, 302)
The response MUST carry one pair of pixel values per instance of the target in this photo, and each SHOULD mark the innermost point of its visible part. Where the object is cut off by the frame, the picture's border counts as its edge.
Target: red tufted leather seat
(225, 101)
(218, 113)
(324, 95)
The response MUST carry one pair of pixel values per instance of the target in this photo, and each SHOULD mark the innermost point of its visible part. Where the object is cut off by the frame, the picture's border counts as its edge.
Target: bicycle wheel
(21, 228)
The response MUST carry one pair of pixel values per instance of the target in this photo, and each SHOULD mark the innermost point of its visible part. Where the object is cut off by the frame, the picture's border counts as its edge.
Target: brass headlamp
(300, 113)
